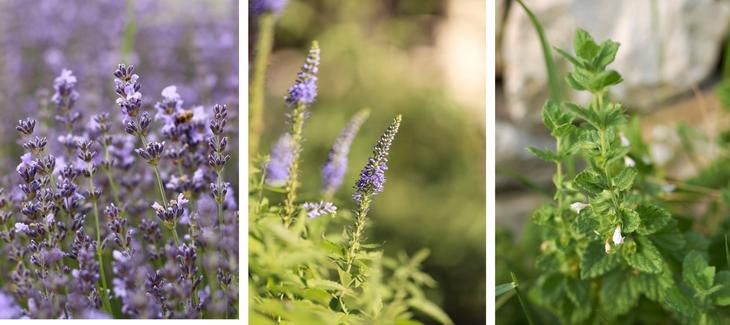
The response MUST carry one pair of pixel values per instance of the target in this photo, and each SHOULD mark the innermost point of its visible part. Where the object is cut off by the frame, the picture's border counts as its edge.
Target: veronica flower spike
(301, 95)
(334, 169)
(370, 183)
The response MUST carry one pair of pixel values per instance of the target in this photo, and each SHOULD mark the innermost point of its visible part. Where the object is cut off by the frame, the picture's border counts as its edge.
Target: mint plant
(310, 261)
(609, 245)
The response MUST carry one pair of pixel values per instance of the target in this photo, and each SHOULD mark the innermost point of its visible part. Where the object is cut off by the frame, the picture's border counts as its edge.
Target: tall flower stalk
(301, 95)
(369, 184)
(267, 11)
(334, 169)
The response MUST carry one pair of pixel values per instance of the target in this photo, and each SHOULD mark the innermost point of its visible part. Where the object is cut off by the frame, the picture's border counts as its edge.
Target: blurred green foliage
(435, 194)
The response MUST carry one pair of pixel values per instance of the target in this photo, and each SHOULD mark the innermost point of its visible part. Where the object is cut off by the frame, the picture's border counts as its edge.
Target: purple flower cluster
(304, 90)
(321, 208)
(372, 176)
(273, 6)
(82, 202)
(334, 169)
(282, 155)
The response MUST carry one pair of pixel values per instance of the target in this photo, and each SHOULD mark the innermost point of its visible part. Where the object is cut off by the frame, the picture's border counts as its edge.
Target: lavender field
(118, 175)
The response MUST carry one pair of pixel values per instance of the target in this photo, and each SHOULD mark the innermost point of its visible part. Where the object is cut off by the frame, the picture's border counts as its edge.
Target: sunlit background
(424, 59)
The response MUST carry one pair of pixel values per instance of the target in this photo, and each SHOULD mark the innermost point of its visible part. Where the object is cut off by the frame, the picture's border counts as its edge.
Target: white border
(243, 161)
(490, 134)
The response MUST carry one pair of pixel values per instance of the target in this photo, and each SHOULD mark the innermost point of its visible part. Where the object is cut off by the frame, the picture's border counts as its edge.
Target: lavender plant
(309, 261)
(611, 251)
(81, 235)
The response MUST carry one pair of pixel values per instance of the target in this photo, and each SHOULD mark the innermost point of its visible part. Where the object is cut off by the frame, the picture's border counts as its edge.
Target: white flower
(577, 206)
(624, 141)
(617, 238)
(170, 93)
(21, 227)
(629, 162)
(607, 246)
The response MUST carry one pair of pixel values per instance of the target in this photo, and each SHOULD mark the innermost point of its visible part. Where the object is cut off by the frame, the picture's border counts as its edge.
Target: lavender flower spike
(273, 6)
(372, 176)
(336, 165)
(282, 155)
(316, 209)
(8, 308)
(304, 90)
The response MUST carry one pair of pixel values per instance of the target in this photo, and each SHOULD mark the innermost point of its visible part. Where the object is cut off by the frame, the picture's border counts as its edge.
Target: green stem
(130, 31)
(263, 47)
(160, 186)
(104, 292)
(356, 236)
(293, 181)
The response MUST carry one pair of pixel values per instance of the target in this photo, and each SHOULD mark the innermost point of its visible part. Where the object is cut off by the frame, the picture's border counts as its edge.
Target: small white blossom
(617, 238)
(629, 162)
(577, 206)
(668, 188)
(624, 141)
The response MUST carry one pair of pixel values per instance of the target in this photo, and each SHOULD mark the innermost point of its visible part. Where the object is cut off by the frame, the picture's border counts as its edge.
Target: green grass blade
(727, 253)
(504, 288)
(523, 304)
(552, 71)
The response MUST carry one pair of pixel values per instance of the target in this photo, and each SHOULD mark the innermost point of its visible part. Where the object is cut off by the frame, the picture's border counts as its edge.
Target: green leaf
(546, 155)
(585, 223)
(604, 79)
(584, 45)
(625, 179)
(653, 218)
(552, 70)
(606, 55)
(677, 300)
(317, 295)
(722, 296)
(589, 181)
(594, 261)
(696, 273)
(577, 290)
(631, 220)
(504, 288)
(646, 258)
(543, 214)
(619, 292)
(431, 310)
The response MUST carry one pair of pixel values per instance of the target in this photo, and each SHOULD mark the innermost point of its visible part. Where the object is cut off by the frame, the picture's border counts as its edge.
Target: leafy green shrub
(611, 251)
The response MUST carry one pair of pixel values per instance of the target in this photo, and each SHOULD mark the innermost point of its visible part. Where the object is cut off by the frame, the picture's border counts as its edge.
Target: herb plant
(310, 261)
(122, 214)
(611, 251)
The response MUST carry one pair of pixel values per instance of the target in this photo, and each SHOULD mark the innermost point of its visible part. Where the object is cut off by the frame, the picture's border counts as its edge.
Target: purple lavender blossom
(304, 90)
(282, 155)
(316, 209)
(336, 165)
(274, 6)
(8, 308)
(372, 176)
(65, 89)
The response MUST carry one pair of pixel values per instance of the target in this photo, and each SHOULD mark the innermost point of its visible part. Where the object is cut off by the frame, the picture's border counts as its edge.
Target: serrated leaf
(653, 218)
(646, 258)
(604, 79)
(588, 181)
(546, 155)
(594, 261)
(542, 215)
(631, 220)
(577, 290)
(585, 223)
(584, 45)
(619, 292)
(606, 55)
(722, 296)
(697, 273)
(681, 303)
(431, 310)
(625, 179)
